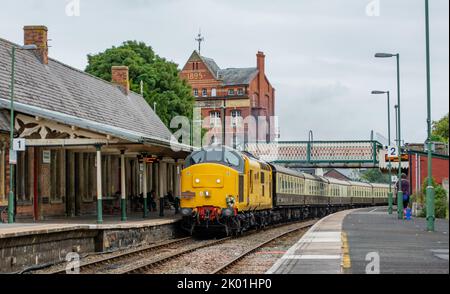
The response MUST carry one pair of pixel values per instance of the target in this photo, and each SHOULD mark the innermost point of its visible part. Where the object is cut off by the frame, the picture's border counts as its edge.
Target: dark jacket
(405, 186)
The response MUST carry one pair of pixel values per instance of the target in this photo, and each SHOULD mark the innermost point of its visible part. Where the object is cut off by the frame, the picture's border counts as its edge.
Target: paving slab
(368, 241)
(400, 246)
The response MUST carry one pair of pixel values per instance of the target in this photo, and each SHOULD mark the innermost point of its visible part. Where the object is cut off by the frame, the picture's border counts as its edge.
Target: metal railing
(318, 152)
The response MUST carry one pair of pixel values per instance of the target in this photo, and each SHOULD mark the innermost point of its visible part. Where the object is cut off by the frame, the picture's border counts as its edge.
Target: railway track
(136, 262)
(121, 256)
(144, 267)
(230, 264)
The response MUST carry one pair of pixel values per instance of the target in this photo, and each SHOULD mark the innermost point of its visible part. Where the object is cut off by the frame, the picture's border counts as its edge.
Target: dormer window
(240, 92)
(204, 92)
(195, 92)
(230, 92)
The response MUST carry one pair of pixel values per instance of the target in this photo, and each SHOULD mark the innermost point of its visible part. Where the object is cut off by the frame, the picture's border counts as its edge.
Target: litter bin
(408, 214)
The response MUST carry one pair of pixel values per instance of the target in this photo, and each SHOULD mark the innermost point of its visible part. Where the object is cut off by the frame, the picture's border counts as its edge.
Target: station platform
(23, 227)
(27, 245)
(368, 241)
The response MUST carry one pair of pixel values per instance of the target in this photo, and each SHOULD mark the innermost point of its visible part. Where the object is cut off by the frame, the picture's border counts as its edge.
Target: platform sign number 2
(392, 151)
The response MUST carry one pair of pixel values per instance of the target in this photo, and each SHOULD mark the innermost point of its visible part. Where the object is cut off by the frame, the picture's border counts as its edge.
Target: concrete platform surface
(319, 251)
(85, 223)
(368, 241)
(400, 246)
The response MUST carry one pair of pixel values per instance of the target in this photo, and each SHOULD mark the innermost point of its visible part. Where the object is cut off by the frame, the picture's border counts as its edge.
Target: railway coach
(224, 189)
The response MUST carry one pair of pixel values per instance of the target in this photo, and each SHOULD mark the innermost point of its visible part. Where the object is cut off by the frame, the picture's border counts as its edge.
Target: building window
(214, 119)
(240, 92)
(23, 176)
(195, 92)
(236, 115)
(213, 92)
(254, 100)
(230, 92)
(204, 92)
(89, 173)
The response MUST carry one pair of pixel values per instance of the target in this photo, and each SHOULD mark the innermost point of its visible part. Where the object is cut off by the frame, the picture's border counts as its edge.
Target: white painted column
(123, 190)
(162, 174)
(144, 188)
(99, 186)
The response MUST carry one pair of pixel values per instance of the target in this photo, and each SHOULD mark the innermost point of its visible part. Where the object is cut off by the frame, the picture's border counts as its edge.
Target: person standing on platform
(405, 190)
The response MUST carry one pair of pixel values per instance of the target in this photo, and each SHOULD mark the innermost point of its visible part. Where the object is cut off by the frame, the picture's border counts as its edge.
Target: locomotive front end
(210, 189)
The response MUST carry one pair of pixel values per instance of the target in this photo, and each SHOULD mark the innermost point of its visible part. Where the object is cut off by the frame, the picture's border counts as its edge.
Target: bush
(440, 200)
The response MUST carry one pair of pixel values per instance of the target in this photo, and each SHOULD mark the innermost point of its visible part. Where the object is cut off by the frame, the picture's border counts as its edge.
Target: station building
(418, 169)
(236, 93)
(92, 146)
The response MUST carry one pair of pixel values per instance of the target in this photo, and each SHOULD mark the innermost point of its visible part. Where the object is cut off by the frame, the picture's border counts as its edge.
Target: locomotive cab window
(219, 155)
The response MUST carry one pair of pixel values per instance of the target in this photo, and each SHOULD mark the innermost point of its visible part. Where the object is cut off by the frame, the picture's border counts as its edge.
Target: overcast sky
(319, 53)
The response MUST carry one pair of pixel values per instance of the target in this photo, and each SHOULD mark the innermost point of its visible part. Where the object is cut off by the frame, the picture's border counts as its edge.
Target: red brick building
(240, 95)
(418, 169)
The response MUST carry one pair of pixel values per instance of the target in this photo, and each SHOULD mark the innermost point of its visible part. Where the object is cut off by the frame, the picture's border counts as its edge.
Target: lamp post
(399, 192)
(430, 188)
(11, 151)
(390, 195)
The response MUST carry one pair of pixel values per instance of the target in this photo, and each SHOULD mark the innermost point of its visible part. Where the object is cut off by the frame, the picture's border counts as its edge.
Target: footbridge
(320, 154)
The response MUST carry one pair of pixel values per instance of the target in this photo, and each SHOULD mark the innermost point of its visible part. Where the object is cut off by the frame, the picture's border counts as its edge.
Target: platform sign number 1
(392, 151)
(19, 144)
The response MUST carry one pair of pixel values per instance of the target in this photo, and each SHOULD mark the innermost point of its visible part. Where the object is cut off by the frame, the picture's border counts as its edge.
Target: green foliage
(375, 176)
(162, 83)
(440, 130)
(440, 199)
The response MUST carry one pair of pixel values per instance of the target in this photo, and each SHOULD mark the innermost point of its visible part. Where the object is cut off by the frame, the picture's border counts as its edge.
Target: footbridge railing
(319, 154)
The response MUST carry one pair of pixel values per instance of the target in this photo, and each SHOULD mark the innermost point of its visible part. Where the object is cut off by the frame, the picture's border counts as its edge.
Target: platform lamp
(390, 195)
(399, 192)
(11, 165)
(430, 188)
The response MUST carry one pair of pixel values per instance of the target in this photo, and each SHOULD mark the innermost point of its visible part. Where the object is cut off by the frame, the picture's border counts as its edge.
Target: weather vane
(199, 39)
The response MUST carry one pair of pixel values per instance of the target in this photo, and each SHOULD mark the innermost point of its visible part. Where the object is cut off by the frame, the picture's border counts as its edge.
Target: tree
(440, 199)
(440, 130)
(162, 83)
(374, 175)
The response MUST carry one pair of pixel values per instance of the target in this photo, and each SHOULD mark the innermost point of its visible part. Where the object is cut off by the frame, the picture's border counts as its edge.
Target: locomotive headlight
(218, 181)
(197, 181)
(227, 212)
(186, 211)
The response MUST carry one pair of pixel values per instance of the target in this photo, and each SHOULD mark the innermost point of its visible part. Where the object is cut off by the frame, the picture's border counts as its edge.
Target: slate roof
(237, 76)
(4, 122)
(59, 88)
(229, 76)
(211, 64)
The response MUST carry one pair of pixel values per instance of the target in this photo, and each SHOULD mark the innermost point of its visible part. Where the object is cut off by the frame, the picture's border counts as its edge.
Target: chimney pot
(260, 61)
(120, 77)
(37, 35)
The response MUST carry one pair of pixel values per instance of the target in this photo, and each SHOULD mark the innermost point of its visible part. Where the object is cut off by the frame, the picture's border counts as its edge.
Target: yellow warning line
(346, 262)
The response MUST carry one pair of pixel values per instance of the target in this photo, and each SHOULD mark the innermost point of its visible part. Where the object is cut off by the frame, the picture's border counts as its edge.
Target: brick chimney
(120, 77)
(260, 62)
(37, 35)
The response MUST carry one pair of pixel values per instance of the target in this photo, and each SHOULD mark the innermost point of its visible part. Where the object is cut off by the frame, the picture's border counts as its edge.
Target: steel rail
(123, 255)
(262, 244)
(153, 263)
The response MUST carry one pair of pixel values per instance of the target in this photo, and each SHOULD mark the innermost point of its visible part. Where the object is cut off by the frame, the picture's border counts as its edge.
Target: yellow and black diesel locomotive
(228, 190)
